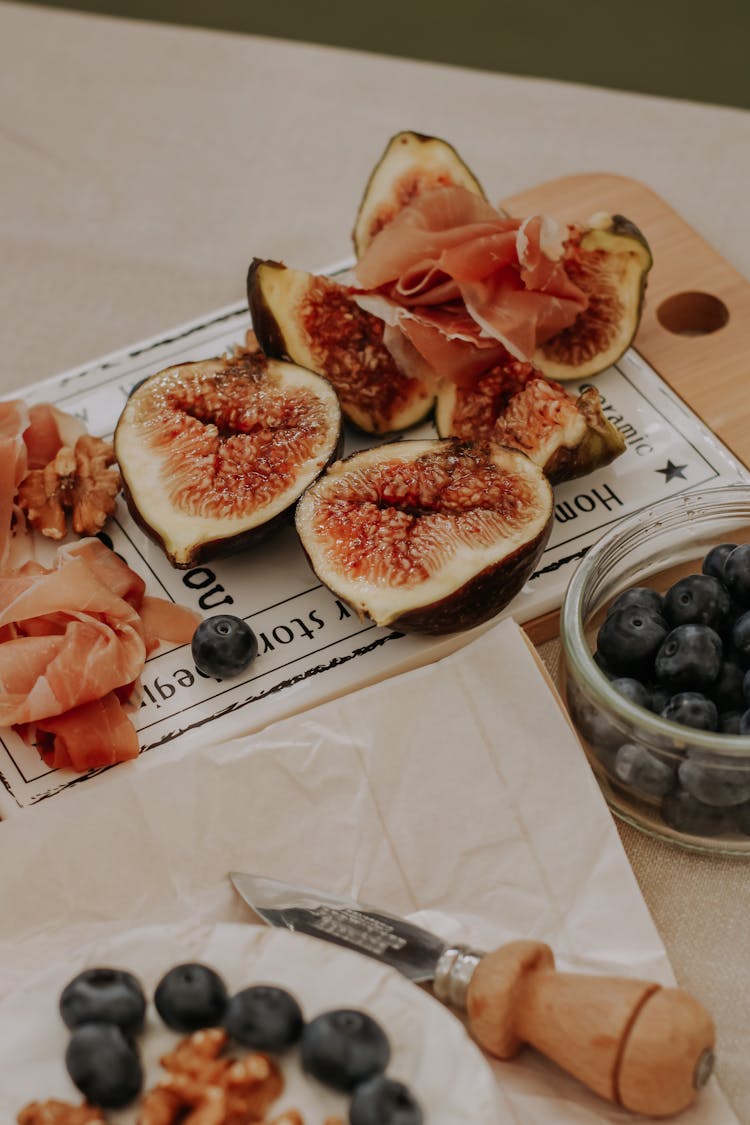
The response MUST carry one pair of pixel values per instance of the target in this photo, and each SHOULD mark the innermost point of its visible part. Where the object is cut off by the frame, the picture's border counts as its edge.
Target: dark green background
(695, 50)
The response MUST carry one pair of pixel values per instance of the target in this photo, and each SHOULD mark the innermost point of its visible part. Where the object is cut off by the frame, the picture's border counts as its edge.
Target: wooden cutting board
(695, 330)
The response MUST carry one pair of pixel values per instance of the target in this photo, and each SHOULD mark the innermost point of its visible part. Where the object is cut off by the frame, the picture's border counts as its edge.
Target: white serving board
(312, 646)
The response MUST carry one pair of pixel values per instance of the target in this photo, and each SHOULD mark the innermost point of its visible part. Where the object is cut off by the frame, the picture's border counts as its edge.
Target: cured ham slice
(449, 264)
(88, 737)
(73, 640)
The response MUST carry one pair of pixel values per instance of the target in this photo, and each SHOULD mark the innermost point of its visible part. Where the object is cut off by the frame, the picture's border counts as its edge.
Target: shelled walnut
(82, 481)
(53, 1112)
(203, 1088)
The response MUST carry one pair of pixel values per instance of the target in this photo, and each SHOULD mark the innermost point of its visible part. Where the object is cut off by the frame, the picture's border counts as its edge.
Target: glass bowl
(688, 786)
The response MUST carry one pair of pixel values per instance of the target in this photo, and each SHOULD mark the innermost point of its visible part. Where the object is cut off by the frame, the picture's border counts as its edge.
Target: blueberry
(633, 690)
(699, 599)
(713, 563)
(191, 996)
(384, 1101)
(727, 691)
(264, 1017)
(223, 645)
(741, 637)
(643, 596)
(106, 995)
(660, 697)
(685, 813)
(643, 770)
(689, 658)
(715, 779)
(104, 1065)
(630, 638)
(729, 722)
(595, 727)
(602, 665)
(343, 1048)
(691, 709)
(736, 574)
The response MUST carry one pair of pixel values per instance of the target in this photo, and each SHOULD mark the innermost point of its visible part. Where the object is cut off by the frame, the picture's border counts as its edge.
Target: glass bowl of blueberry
(655, 630)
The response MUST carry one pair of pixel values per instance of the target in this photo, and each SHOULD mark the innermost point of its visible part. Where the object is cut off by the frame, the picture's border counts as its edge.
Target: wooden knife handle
(642, 1046)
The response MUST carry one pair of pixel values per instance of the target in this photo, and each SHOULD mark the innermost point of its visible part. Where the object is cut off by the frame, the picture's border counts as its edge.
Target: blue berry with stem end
(224, 646)
(689, 658)
(191, 996)
(630, 638)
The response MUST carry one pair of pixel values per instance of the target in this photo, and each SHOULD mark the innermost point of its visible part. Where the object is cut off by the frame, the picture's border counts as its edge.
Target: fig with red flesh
(215, 454)
(411, 164)
(429, 536)
(609, 259)
(315, 322)
(514, 404)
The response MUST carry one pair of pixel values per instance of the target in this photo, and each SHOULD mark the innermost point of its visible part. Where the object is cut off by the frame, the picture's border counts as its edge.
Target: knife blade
(634, 1042)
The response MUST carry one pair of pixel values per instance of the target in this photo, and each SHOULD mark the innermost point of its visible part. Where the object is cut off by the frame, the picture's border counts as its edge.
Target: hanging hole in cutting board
(692, 314)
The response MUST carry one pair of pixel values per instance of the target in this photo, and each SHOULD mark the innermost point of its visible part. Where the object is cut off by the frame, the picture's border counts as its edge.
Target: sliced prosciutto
(73, 641)
(88, 737)
(450, 268)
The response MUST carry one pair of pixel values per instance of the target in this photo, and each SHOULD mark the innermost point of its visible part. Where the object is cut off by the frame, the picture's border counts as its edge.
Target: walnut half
(204, 1087)
(83, 481)
(54, 1112)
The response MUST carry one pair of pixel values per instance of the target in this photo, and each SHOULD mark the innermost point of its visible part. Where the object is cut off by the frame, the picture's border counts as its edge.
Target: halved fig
(609, 259)
(215, 454)
(382, 382)
(514, 405)
(429, 536)
(411, 164)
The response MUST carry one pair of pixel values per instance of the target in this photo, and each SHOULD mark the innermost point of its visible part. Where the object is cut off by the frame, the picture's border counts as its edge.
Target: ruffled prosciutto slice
(450, 265)
(88, 737)
(73, 640)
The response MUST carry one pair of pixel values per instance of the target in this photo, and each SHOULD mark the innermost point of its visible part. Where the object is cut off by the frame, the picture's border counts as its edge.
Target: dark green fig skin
(602, 444)
(481, 599)
(626, 228)
(265, 324)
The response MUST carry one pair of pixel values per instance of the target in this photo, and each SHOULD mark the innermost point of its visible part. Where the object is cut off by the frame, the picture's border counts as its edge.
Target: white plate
(430, 1049)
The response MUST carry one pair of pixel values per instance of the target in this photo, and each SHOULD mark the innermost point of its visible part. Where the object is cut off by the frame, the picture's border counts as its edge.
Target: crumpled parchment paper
(456, 794)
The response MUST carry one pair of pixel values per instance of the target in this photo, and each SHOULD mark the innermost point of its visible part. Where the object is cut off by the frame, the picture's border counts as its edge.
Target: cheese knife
(634, 1042)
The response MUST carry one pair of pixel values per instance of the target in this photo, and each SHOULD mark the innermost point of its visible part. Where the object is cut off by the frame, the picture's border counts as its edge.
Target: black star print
(671, 471)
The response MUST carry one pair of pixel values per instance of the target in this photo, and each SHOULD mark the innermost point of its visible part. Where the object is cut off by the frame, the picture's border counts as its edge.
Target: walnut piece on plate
(54, 1112)
(82, 480)
(203, 1088)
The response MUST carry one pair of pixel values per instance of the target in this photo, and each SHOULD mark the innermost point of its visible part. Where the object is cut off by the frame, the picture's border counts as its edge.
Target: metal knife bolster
(453, 971)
